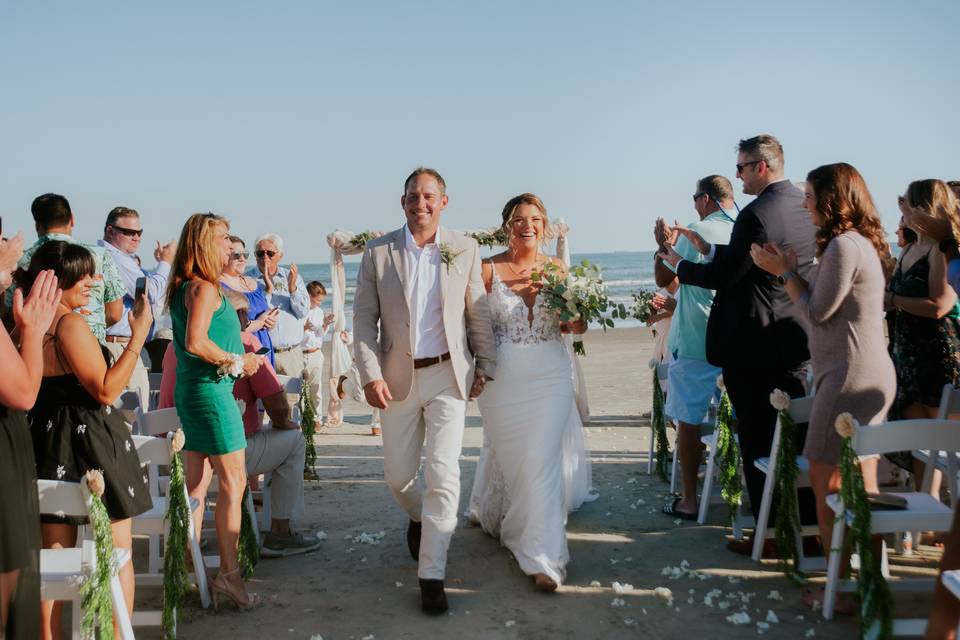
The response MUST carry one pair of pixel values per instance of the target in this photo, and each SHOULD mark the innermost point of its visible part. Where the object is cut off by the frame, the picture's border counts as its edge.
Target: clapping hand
(661, 302)
(292, 278)
(773, 259)
(10, 253)
(663, 234)
(937, 228)
(37, 311)
(166, 252)
(328, 319)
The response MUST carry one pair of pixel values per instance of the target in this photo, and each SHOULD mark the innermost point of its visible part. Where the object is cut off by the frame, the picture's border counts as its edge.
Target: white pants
(139, 379)
(279, 452)
(429, 420)
(313, 374)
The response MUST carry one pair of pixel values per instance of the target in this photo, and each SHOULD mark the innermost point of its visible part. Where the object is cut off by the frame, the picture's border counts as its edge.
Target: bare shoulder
(72, 324)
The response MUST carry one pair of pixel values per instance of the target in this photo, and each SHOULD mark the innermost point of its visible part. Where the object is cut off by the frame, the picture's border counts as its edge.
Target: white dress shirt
(425, 300)
(313, 329)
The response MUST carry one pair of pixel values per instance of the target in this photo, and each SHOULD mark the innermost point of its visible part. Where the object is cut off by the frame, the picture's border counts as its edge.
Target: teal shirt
(688, 330)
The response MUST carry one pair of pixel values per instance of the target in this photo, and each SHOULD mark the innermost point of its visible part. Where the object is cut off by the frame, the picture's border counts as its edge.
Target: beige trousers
(279, 452)
(430, 421)
(139, 380)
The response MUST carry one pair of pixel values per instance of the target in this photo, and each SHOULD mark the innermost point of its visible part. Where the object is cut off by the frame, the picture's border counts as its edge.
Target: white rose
(845, 425)
(720, 384)
(95, 484)
(179, 439)
(780, 400)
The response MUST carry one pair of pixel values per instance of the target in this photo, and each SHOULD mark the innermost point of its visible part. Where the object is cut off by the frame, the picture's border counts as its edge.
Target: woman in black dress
(21, 370)
(74, 428)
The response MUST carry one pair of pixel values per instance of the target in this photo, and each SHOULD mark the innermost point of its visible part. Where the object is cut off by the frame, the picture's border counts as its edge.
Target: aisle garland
(728, 456)
(175, 573)
(248, 552)
(659, 423)
(308, 417)
(95, 590)
(787, 522)
(876, 601)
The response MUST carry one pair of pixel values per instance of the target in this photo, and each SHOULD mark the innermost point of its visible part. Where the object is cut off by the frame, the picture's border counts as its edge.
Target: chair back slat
(800, 409)
(158, 422)
(904, 435)
(949, 402)
(152, 450)
(61, 498)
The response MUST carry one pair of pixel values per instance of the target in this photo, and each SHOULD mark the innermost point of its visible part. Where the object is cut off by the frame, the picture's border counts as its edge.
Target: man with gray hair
(286, 291)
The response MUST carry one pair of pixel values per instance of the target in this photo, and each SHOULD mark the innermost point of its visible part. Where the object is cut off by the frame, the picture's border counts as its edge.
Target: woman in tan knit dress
(843, 305)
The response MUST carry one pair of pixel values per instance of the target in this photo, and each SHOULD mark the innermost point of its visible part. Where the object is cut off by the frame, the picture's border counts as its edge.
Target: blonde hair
(936, 199)
(198, 253)
(510, 210)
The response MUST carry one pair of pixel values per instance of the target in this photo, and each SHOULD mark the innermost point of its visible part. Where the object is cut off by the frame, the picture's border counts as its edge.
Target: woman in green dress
(206, 338)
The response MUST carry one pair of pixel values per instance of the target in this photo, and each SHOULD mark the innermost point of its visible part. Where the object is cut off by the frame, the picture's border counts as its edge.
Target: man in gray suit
(421, 331)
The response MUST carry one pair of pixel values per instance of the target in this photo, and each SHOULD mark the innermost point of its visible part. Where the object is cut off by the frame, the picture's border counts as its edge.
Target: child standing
(314, 327)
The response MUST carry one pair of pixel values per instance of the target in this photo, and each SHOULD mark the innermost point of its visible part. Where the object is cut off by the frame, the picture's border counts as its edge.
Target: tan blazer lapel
(398, 255)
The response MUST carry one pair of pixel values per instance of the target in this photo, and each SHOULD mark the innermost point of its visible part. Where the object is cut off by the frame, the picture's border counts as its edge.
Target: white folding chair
(63, 570)
(800, 412)
(154, 453)
(948, 464)
(923, 512)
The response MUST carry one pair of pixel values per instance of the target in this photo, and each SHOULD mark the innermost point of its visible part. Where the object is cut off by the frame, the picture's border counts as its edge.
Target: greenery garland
(728, 458)
(308, 417)
(659, 423)
(175, 573)
(248, 552)
(876, 601)
(361, 239)
(497, 238)
(787, 521)
(95, 591)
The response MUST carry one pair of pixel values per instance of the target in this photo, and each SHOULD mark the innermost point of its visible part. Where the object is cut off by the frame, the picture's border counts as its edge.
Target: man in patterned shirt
(54, 221)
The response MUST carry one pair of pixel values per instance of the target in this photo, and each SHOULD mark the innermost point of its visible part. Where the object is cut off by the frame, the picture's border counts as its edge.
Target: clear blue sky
(300, 117)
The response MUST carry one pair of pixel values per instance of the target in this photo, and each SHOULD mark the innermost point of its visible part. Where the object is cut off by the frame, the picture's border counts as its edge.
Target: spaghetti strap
(56, 344)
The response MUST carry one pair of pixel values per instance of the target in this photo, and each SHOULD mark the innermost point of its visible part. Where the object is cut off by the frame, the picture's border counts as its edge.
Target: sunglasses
(241, 255)
(130, 233)
(262, 252)
(740, 167)
(697, 195)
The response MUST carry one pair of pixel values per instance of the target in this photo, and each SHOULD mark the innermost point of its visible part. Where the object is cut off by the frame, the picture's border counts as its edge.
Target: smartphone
(262, 351)
(140, 289)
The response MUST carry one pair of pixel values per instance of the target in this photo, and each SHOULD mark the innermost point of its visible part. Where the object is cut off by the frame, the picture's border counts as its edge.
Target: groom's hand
(479, 380)
(377, 393)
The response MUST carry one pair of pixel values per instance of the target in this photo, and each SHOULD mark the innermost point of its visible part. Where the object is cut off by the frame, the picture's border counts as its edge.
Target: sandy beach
(351, 589)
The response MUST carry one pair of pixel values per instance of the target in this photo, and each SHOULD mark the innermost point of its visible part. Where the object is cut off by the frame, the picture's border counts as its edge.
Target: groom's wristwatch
(786, 275)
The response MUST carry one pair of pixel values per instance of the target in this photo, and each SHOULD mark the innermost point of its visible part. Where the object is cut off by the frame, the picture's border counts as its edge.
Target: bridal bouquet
(578, 295)
(642, 308)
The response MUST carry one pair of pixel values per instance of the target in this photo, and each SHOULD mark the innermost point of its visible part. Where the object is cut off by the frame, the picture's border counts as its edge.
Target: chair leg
(763, 518)
(707, 491)
(650, 452)
(75, 618)
(196, 556)
(266, 514)
(833, 565)
(120, 609)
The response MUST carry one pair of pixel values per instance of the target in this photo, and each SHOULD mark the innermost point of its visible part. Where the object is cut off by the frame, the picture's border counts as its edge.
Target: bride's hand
(576, 327)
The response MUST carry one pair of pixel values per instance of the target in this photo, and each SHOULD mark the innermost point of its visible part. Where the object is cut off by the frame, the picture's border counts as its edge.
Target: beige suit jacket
(381, 313)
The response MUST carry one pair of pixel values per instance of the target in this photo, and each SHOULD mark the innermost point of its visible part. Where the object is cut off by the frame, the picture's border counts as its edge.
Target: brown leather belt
(420, 363)
(308, 351)
(118, 339)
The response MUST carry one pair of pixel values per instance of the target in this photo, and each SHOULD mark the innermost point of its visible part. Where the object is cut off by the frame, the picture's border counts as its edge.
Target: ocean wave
(643, 282)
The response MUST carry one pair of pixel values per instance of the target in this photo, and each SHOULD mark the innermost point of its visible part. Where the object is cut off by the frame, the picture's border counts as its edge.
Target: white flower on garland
(179, 439)
(720, 384)
(81, 429)
(94, 478)
(61, 471)
(780, 400)
(845, 425)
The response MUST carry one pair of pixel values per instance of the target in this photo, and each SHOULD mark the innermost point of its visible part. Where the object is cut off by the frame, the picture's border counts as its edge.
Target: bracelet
(135, 353)
(232, 367)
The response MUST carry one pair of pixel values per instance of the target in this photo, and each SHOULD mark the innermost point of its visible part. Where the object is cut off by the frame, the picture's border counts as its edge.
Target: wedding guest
(285, 290)
(692, 380)
(73, 426)
(262, 317)
(753, 332)
(521, 493)
(315, 327)
(905, 237)
(54, 220)
(279, 449)
(121, 240)
(943, 228)
(206, 337)
(926, 337)
(22, 370)
(843, 303)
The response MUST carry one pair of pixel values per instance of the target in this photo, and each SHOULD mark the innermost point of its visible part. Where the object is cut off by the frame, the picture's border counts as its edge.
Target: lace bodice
(511, 317)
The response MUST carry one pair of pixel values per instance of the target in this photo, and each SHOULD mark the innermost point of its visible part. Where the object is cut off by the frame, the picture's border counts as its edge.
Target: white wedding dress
(534, 467)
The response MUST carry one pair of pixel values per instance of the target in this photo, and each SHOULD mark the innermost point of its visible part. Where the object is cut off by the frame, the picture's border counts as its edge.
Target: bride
(533, 468)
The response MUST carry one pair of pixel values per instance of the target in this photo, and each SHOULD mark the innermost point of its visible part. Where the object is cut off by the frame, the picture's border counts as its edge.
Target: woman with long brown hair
(843, 304)
(210, 355)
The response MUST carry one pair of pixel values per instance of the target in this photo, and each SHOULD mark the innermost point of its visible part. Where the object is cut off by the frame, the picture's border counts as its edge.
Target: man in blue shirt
(122, 235)
(285, 290)
(693, 380)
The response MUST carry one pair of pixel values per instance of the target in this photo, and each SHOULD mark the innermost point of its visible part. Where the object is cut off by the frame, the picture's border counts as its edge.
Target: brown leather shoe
(413, 540)
(433, 599)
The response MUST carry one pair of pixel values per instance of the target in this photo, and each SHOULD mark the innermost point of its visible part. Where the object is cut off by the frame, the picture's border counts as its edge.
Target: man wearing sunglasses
(122, 234)
(285, 291)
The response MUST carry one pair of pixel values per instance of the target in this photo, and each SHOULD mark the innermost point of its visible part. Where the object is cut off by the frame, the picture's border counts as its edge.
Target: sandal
(220, 586)
(671, 510)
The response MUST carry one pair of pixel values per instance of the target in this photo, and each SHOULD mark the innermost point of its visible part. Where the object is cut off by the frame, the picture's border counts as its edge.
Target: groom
(422, 285)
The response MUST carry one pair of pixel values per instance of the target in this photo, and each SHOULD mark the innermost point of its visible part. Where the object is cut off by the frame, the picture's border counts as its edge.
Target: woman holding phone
(262, 317)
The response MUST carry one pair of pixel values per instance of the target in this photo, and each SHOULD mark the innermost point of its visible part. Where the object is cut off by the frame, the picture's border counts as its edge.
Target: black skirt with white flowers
(73, 433)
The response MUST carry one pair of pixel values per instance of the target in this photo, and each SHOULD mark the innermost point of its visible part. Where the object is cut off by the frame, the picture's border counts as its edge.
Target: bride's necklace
(524, 271)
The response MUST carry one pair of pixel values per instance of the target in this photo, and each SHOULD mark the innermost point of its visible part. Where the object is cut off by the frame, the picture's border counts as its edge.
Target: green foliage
(95, 590)
(787, 522)
(308, 419)
(248, 553)
(175, 574)
(361, 239)
(659, 423)
(578, 294)
(496, 239)
(876, 602)
(728, 458)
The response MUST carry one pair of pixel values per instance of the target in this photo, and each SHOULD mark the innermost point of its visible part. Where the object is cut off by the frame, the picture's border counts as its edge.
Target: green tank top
(224, 331)
(915, 283)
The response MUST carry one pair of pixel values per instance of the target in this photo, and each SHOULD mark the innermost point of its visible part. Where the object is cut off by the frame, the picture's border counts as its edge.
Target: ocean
(624, 273)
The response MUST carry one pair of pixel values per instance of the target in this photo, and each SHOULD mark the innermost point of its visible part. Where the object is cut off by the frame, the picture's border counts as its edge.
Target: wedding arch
(347, 243)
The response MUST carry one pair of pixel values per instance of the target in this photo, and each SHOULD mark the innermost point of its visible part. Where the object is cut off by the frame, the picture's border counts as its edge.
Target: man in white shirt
(419, 298)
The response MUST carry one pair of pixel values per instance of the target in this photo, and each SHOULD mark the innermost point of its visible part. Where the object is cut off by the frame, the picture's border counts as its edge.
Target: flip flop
(671, 510)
